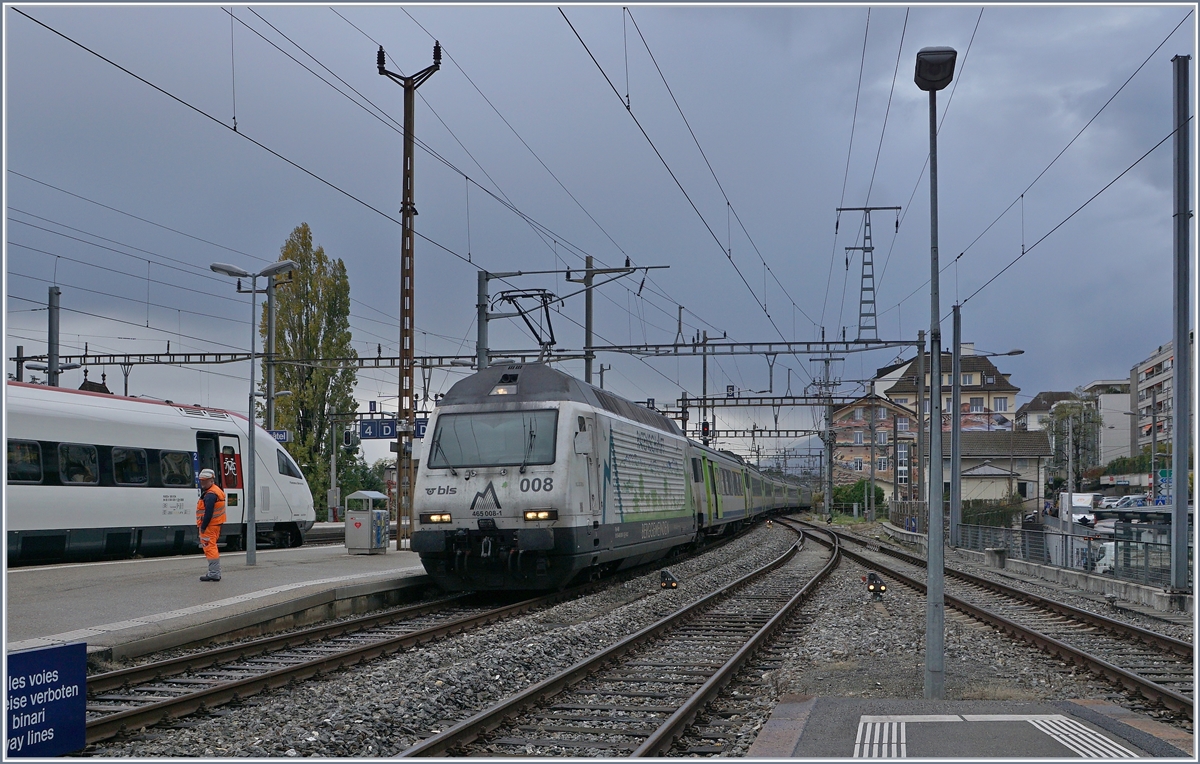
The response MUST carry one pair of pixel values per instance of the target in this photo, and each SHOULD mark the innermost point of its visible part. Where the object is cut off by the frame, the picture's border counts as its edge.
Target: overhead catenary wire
(253, 141)
(1020, 197)
(846, 174)
(667, 166)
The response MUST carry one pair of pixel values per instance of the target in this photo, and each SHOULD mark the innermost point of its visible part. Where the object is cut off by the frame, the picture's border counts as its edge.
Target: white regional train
(530, 478)
(94, 475)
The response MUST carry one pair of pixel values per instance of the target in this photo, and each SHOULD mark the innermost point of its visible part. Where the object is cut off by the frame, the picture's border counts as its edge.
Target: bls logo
(441, 490)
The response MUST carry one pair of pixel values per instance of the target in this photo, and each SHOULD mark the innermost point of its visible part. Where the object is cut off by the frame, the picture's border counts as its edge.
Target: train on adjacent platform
(93, 475)
(530, 478)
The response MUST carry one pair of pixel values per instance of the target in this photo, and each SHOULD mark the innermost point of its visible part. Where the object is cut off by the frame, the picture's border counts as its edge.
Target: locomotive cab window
(78, 464)
(176, 468)
(129, 466)
(494, 439)
(24, 461)
(287, 466)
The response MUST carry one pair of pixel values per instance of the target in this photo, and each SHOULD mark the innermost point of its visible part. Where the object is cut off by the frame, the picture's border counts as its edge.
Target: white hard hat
(207, 473)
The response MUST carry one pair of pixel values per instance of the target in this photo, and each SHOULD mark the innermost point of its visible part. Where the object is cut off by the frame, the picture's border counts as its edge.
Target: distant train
(92, 475)
(530, 478)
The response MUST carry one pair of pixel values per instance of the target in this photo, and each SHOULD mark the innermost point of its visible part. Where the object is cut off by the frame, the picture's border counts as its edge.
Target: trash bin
(366, 528)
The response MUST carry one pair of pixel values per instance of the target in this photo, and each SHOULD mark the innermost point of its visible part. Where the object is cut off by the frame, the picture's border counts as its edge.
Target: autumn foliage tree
(312, 322)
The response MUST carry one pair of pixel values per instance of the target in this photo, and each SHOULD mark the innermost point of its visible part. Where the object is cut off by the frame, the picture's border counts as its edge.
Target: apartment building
(894, 428)
(1150, 395)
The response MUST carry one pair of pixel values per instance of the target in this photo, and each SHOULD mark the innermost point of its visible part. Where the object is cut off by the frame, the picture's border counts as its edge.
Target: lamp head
(283, 266)
(229, 270)
(935, 67)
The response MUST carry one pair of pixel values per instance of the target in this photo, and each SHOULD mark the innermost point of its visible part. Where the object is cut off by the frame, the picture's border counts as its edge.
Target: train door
(713, 490)
(231, 478)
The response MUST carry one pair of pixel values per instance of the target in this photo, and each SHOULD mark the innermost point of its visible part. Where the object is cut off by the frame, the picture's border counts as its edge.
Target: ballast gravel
(384, 707)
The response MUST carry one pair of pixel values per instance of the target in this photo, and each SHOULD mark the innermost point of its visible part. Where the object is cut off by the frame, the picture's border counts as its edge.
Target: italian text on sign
(47, 699)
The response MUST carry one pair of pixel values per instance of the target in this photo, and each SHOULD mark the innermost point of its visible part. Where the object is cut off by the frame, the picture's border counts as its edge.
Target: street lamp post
(934, 71)
(283, 266)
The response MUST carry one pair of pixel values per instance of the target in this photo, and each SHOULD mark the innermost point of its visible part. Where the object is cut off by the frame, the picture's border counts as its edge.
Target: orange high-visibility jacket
(218, 515)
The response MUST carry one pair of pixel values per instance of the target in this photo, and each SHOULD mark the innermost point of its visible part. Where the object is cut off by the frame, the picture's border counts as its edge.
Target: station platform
(126, 608)
(809, 727)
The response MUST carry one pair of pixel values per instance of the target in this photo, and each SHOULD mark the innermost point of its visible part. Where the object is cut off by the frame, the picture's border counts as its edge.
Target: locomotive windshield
(494, 439)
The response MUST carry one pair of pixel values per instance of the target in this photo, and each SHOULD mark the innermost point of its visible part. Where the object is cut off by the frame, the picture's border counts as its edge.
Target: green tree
(312, 322)
(845, 496)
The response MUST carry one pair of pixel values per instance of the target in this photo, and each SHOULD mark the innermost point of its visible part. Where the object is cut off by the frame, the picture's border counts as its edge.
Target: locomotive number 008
(537, 484)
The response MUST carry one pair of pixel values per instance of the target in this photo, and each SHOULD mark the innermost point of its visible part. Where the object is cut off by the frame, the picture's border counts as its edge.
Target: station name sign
(46, 711)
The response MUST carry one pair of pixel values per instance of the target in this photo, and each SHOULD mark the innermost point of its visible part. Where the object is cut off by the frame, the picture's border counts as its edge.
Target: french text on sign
(47, 699)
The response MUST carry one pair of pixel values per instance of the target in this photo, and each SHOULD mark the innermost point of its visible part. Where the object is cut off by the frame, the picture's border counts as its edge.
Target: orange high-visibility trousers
(208, 541)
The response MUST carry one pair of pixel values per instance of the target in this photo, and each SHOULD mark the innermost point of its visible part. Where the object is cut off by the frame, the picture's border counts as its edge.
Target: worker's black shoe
(209, 577)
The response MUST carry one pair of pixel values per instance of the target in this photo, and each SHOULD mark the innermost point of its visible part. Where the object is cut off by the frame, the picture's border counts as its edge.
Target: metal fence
(911, 516)
(1127, 559)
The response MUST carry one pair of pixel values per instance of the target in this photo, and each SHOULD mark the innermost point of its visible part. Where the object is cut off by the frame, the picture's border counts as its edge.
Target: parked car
(1132, 500)
(1109, 501)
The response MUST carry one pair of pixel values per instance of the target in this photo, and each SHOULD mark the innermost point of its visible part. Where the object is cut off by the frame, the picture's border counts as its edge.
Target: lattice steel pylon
(868, 329)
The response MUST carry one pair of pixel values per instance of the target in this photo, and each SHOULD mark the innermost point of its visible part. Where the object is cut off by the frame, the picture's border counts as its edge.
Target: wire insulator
(379, 59)
(437, 53)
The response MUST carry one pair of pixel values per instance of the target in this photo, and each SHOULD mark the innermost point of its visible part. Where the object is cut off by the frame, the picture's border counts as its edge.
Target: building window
(857, 464)
(925, 406)
(902, 401)
(989, 380)
(999, 404)
(902, 424)
(976, 405)
(968, 379)
(858, 437)
(881, 438)
(880, 412)
(881, 464)
(858, 414)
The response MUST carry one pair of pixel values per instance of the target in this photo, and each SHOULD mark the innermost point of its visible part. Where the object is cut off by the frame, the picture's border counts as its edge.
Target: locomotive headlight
(541, 514)
(435, 518)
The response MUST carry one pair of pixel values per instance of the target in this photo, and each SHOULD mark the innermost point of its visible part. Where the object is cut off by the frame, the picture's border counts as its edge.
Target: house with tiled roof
(987, 395)
(1035, 414)
(998, 464)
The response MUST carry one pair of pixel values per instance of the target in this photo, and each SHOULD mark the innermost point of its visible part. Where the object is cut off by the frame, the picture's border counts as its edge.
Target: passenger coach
(530, 478)
(96, 475)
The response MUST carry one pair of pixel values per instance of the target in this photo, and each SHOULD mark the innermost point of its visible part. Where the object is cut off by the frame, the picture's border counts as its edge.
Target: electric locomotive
(530, 478)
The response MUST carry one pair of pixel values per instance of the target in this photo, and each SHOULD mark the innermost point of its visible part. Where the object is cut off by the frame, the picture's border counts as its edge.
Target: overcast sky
(122, 195)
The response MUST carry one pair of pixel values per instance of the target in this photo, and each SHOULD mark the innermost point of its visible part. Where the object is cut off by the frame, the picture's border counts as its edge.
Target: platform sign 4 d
(47, 698)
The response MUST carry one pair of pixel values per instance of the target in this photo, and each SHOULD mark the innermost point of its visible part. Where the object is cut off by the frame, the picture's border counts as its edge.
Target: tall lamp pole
(934, 71)
(283, 266)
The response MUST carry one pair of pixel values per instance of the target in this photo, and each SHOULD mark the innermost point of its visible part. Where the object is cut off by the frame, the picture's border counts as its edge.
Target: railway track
(1156, 666)
(639, 695)
(132, 698)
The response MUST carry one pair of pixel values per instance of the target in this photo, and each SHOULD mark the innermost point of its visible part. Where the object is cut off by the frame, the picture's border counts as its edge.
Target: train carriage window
(24, 461)
(697, 475)
(78, 464)
(176, 468)
(287, 466)
(129, 466)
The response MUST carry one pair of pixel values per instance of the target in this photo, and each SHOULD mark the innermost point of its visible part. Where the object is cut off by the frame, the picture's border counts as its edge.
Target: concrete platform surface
(810, 727)
(111, 603)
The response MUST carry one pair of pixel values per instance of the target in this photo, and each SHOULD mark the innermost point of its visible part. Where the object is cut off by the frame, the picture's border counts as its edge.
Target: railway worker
(210, 514)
